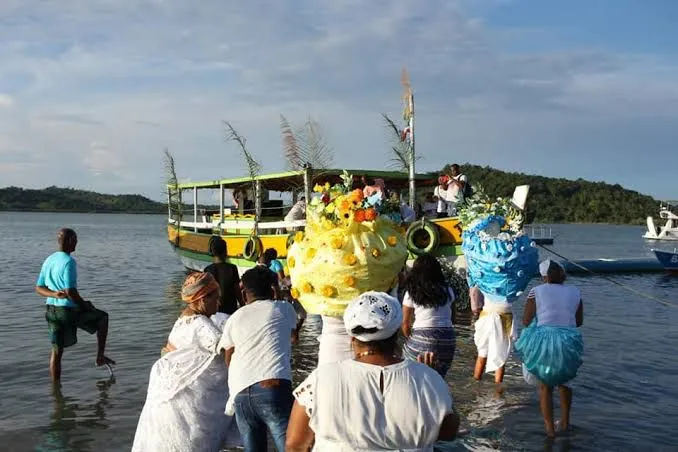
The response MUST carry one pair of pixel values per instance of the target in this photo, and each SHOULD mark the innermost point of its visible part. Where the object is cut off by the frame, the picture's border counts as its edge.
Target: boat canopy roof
(294, 180)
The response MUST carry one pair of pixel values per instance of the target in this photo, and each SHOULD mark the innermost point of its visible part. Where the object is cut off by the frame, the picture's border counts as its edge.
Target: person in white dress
(187, 389)
(376, 401)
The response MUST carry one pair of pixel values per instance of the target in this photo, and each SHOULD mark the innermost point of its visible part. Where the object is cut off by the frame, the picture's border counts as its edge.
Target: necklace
(369, 353)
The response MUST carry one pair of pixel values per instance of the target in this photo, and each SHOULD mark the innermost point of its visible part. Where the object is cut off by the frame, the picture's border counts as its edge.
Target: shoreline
(85, 211)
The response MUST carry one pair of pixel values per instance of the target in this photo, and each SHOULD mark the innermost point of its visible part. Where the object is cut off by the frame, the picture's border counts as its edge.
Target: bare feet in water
(104, 360)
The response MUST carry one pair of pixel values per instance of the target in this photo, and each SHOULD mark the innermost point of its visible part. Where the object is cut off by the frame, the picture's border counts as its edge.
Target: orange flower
(359, 215)
(344, 205)
(294, 292)
(370, 214)
(356, 197)
(307, 287)
(290, 262)
(349, 259)
(392, 240)
(328, 291)
(350, 281)
(376, 252)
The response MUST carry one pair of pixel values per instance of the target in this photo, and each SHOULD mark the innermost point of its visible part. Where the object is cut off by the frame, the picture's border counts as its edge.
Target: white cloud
(6, 101)
(134, 77)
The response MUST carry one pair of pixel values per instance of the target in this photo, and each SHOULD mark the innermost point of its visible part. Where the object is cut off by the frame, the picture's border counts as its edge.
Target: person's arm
(300, 437)
(449, 427)
(46, 292)
(228, 355)
(579, 316)
(530, 311)
(406, 326)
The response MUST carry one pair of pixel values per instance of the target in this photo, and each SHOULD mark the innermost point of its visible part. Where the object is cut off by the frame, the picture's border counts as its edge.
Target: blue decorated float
(500, 258)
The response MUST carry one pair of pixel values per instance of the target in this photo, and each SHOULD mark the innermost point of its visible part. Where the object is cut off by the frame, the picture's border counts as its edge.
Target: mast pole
(412, 157)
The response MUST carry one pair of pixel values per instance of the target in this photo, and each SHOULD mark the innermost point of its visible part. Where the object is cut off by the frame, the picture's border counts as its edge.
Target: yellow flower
(329, 208)
(349, 259)
(328, 291)
(392, 240)
(298, 237)
(306, 287)
(291, 262)
(350, 281)
(294, 292)
(310, 253)
(327, 186)
(318, 188)
(337, 243)
(376, 252)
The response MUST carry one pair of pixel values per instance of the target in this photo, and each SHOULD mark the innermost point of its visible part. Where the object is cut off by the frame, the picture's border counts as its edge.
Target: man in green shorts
(66, 309)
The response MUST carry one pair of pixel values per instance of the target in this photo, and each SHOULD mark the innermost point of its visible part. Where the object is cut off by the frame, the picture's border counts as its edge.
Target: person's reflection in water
(69, 414)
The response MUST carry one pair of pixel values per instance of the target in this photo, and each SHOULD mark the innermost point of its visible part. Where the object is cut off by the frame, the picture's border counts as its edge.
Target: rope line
(622, 285)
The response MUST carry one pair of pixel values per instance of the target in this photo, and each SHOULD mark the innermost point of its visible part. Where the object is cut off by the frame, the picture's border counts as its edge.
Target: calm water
(626, 397)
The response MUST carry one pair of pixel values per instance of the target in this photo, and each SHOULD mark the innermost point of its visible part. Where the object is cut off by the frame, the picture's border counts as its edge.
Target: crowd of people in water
(224, 376)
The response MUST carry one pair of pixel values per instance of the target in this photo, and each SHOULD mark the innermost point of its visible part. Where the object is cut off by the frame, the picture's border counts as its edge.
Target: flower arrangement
(500, 257)
(352, 244)
(339, 205)
(480, 210)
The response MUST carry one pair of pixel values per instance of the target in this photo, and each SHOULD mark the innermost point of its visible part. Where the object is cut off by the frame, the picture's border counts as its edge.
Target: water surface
(625, 396)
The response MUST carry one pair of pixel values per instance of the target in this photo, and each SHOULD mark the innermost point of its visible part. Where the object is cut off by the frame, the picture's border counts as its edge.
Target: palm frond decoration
(252, 166)
(305, 145)
(295, 160)
(172, 186)
(400, 159)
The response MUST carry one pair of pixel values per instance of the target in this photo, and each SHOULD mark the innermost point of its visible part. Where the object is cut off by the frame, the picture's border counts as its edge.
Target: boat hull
(668, 260)
(193, 247)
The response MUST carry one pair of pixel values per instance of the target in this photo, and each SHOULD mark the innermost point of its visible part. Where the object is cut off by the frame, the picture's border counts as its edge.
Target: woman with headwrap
(551, 346)
(187, 389)
(375, 401)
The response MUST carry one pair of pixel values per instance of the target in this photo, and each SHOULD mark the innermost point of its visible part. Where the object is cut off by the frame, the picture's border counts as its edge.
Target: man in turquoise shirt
(66, 309)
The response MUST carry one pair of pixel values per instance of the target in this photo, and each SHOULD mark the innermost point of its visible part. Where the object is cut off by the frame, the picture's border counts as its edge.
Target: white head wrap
(544, 266)
(373, 310)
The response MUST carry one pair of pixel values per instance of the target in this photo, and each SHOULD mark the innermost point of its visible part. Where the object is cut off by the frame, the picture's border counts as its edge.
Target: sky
(93, 91)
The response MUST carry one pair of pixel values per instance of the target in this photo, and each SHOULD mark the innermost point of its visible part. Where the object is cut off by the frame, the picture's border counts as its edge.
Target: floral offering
(501, 260)
(351, 245)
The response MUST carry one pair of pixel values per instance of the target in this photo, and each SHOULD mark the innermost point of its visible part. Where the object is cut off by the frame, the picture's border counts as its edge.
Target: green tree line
(557, 200)
(55, 199)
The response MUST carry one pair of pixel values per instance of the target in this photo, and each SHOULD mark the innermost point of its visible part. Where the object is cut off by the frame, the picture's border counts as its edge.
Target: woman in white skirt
(187, 389)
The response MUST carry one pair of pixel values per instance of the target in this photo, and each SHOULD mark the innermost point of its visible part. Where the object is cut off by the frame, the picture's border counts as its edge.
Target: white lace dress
(187, 392)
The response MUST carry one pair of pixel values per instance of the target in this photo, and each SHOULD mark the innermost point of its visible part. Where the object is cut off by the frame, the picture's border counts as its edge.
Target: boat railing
(539, 231)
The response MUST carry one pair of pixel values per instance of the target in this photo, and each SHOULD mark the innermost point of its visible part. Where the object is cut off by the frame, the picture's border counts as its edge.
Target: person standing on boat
(296, 213)
(456, 188)
(226, 275)
(442, 197)
(257, 341)
(66, 309)
(551, 346)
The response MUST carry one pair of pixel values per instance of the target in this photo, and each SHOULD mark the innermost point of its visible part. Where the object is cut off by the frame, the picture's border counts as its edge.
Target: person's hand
(427, 358)
(60, 294)
(168, 348)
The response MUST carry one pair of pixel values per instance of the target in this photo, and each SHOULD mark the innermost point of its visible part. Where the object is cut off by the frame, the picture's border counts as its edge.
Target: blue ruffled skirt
(552, 354)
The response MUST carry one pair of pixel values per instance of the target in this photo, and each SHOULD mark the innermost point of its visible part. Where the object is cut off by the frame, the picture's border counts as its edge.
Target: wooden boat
(669, 260)
(248, 232)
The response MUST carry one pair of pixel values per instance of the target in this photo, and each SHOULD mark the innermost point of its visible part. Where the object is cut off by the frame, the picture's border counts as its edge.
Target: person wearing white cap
(376, 401)
(551, 346)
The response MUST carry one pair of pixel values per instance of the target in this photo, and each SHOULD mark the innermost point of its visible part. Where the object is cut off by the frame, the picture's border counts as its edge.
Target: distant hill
(54, 199)
(554, 200)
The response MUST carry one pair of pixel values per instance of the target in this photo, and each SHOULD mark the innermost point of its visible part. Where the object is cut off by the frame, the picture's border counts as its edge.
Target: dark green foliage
(555, 200)
(54, 199)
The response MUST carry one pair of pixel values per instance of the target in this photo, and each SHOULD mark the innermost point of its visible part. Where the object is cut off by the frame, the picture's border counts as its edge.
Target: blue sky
(92, 91)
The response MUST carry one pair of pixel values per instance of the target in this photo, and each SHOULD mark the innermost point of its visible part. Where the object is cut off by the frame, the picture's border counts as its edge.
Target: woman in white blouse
(376, 401)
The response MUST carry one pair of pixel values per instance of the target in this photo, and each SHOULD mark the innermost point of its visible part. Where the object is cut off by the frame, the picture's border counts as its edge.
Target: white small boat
(670, 229)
